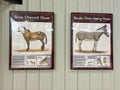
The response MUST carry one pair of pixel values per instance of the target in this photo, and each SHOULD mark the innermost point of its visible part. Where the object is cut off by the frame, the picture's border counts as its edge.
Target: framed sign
(91, 41)
(31, 40)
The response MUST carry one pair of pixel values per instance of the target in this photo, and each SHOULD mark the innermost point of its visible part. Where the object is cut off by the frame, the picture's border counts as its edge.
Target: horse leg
(95, 46)
(28, 44)
(79, 44)
(43, 46)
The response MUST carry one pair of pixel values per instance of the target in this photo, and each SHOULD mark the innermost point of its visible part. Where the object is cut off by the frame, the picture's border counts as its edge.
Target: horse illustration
(32, 62)
(83, 35)
(32, 36)
(44, 60)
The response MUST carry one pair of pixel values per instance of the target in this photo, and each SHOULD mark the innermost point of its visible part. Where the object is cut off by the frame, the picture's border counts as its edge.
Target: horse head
(23, 29)
(106, 33)
(104, 30)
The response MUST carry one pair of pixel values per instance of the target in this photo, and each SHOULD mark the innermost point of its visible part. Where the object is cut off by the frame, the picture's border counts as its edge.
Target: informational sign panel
(31, 40)
(91, 41)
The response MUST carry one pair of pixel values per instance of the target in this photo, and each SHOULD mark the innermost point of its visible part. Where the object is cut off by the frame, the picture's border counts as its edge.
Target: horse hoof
(80, 50)
(42, 49)
(27, 49)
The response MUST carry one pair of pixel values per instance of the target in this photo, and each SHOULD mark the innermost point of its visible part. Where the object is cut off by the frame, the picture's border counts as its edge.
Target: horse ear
(24, 27)
(28, 30)
(105, 25)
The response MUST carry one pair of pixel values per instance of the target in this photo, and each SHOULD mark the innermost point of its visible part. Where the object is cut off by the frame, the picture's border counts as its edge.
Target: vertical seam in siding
(101, 6)
(26, 80)
(27, 5)
(13, 80)
(89, 6)
(77, 5)
(40, 5)
(65, 46)
(77, 81)
(89, 80)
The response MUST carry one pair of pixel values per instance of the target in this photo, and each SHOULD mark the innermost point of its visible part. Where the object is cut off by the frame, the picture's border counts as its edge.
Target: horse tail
(45, 39)
(76, 37)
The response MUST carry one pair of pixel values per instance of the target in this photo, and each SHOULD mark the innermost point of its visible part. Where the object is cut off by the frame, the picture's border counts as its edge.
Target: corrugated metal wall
(61, 78)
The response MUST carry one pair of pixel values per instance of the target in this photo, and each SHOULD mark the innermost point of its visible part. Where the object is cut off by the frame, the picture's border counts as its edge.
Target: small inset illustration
(103, 61)
(99, 61)
(31, 62)
(90, 62)
(43, 60)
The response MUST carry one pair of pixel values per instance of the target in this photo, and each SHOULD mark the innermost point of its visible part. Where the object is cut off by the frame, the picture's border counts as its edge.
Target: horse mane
(102, 27)
(26, 29)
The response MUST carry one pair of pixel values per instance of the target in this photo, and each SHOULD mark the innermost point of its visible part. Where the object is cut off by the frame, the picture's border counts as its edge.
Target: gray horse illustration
(83, 35)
